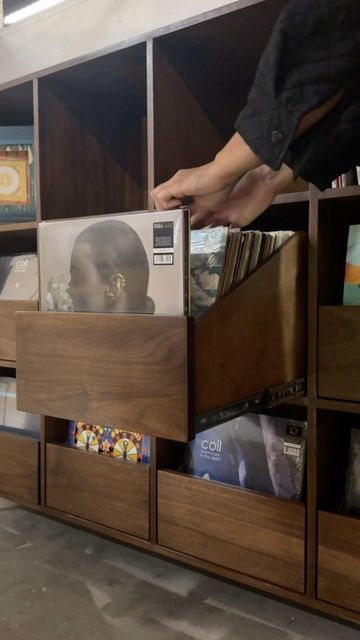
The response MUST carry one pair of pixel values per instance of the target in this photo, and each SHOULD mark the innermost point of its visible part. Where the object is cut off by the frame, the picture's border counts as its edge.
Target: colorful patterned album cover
(118, 443)
(352, 270)
(128, 263)
(17, 185)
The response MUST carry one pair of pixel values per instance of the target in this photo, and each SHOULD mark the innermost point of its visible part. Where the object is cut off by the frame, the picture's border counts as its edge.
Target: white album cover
(128, 263)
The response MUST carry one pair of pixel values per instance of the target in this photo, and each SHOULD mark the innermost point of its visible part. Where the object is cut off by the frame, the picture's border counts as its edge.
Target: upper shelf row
(109, 128)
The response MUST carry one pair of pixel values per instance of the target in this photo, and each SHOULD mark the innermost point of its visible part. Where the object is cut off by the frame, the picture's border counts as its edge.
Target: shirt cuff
(269, 134)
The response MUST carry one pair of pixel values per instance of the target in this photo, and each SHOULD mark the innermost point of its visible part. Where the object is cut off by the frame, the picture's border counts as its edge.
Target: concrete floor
(57, 583)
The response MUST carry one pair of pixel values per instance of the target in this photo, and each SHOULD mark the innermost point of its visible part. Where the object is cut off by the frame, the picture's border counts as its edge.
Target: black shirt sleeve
(314, 51)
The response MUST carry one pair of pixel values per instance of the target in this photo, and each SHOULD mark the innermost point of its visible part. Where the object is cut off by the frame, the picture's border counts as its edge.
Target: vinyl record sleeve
(255, 452)
(117, 443)
(207, 259)
(353, 474)
(19, 277)
(352, 267)
(10, 417)
(17, 182)
(128, 263)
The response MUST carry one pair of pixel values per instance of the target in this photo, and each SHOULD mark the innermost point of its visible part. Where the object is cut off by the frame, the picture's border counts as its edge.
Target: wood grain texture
(91, 134)
(339, 353)
(196, 96)
(109, 492)
(254, 338)
(106, 369)
(256, 535)
(339, 560)
(8, 364)
(342, 192)
(338, 405)
(19, 468)
(53, 430)
(175, 110)
(8, 309)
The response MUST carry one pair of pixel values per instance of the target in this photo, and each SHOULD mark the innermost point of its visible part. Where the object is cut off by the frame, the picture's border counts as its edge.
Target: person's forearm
(237, 158)
(234, 160)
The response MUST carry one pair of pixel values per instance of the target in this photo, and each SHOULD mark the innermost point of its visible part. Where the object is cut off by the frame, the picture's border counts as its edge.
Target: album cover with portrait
(17, 184)
(128, 263)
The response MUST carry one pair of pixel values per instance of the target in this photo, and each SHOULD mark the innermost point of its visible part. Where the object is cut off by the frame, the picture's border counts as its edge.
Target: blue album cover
(257, 452)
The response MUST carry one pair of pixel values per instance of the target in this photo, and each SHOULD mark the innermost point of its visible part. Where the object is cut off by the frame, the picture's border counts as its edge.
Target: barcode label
(292, 451)
(163, 258)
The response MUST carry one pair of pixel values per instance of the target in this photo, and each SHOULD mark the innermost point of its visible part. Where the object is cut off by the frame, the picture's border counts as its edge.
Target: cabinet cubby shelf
(340, 193)
(8, 364)
(18, 227)
(338, 405)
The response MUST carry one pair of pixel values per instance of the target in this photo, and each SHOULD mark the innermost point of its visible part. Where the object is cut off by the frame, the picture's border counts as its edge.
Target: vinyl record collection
(144, 263)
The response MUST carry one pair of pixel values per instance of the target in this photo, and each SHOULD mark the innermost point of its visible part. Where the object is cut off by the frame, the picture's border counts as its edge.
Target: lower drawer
(339, 560)
(110, 492)
(260, 536)
(19, 468)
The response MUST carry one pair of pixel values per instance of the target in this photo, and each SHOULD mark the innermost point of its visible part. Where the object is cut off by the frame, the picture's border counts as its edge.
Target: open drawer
(100, 489)
(118, 370)
(19, 468)
(257, 535)
(339, 560)
(154, 374)
(8, 308)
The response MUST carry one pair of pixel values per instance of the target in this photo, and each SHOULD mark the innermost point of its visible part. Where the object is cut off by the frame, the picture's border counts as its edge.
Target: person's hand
(251, 196)
(202, 188)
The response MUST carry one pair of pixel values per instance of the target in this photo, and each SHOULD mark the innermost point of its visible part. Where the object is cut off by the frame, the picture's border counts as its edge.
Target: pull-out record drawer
(98, 488)
(256, 535)
(19, 468)
(118, 370)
